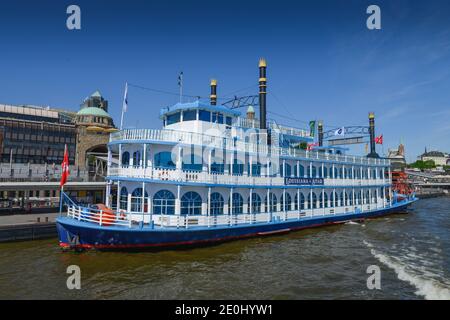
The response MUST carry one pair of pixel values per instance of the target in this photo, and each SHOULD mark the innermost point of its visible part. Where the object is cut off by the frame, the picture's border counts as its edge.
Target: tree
(420, 164)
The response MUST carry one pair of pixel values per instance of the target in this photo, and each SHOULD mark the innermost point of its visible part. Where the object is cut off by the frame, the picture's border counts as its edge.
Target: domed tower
(94, 125)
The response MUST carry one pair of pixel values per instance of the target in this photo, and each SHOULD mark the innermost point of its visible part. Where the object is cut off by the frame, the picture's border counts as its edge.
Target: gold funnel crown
(371, 115)
(262, 63)
(213, 82)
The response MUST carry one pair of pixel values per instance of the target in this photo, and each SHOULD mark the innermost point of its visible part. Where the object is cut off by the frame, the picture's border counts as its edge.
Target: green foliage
(419, 164)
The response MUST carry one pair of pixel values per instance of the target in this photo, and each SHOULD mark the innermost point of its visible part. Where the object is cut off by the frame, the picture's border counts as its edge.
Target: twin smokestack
(262, 93)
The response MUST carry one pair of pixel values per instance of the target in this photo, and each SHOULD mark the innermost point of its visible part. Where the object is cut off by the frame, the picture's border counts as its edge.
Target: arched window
(123, 198)
(286, 172)
(271, 169)
(323, 200)
(358, 198)
(256, 203)
(136, 158)
(216, 203)
(314, 200)
(367, 197)
(336, 173)
(126, 159)
(271, 203)
(238, 204)
(350, 198)
(313, 172)
(301, 171)
(336, 199)
(164, 202)
(342, 199)
(191, 203)
(164, 160)
(302, 201)
(287, 203)
(136, 200)
(325, 172)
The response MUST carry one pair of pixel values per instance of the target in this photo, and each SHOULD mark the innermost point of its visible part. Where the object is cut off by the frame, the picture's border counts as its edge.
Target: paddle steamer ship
(211, 174)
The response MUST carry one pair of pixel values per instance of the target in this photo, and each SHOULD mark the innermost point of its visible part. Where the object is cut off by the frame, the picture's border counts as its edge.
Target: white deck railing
(217, 142)
(225, 179)
(144, 219)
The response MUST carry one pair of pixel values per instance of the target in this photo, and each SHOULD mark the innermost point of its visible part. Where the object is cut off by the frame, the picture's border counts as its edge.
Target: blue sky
(323, 63)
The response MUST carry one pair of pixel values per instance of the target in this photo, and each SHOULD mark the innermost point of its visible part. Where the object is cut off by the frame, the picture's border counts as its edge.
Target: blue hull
(85, 235)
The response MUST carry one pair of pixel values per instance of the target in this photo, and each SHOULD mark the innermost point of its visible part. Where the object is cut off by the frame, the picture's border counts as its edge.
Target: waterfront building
(439, 158)
(30, 134)
(397, 158)
(94, 125)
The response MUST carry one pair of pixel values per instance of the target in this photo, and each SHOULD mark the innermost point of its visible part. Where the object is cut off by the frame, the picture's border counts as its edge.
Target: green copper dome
(92, 111)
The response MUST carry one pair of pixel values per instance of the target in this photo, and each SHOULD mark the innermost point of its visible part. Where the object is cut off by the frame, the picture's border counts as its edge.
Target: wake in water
(426, 285)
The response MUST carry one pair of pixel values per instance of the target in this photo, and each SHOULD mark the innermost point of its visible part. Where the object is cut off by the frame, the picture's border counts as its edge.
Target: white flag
(340, 132)
(125, 99)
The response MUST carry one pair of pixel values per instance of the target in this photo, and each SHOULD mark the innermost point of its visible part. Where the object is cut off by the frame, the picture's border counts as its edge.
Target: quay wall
(27, 232)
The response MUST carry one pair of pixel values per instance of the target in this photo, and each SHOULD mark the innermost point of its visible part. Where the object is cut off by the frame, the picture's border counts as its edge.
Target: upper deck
(174, 137)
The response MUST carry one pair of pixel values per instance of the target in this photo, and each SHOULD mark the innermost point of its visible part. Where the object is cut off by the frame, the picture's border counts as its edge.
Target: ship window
(302, 201)
(238, 204)
(173, 118)
(314, 201)
(325, 172)
(358, 198)
(204, 115)
(217, 117)
(191, 204)
(255, 169)
(313, 172)
(164, 202)
(288, 170)
(367, 197)
(237, 168)
(136, 200)
(342, 198)
(271, 171)
(217, 167)
(192, 162)
(256, 203)
(229, 120)
(271, 203)
(287, 202)
(125, 158)
(123, 198)
(216, 203)
(190, 115)
(164, 160)
(136, 158)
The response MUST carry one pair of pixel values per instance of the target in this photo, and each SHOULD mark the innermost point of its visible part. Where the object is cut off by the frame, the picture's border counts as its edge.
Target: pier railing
(220, 142)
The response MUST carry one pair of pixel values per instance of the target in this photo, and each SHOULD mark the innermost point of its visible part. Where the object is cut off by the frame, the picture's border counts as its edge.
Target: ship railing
(220, 142)
(177, 175)
(146, 219)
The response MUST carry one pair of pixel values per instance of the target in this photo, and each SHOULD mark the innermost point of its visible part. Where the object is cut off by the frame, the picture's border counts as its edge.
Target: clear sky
(323, 63)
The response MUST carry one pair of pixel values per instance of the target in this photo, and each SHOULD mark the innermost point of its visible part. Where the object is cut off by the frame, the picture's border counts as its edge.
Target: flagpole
(125, 103)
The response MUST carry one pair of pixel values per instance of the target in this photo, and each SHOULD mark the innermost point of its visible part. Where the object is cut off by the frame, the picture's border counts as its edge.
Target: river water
(412, 251)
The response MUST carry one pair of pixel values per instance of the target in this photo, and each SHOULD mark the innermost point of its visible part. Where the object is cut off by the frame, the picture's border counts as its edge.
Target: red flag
(379, 140)
(64, 168)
